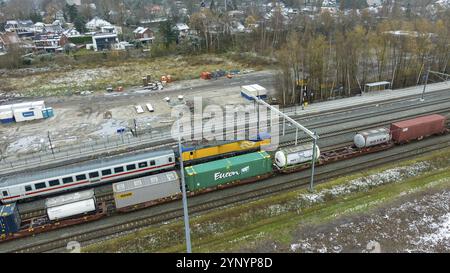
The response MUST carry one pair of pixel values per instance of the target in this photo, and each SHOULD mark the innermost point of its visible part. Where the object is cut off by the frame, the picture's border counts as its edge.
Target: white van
(139, 109)
(150, 107)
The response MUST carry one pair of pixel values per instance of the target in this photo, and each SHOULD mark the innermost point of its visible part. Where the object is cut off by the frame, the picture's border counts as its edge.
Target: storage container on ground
(255, 90)
(417, 128)
(146, 189)
(9, 219)
(227, 170)
(27, 114)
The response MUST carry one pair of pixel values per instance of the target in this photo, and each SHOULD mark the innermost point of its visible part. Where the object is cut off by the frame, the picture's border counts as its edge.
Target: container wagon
(239, 168)
(146, 191)
(9, 219)
(418, 128)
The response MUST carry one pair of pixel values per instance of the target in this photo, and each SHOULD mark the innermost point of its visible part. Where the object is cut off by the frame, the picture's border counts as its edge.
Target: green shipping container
(227, 170)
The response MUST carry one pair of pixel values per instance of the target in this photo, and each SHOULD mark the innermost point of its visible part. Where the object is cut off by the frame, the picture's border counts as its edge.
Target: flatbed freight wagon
(227, 170)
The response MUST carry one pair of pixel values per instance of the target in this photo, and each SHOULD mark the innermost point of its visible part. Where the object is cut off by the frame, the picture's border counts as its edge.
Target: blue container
(7, 120)
(50, 112)
(9, 219)
(47, 112)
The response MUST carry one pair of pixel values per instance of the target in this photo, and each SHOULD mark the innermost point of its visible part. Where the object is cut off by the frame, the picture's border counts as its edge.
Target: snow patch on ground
(366, 183)
(421, 224)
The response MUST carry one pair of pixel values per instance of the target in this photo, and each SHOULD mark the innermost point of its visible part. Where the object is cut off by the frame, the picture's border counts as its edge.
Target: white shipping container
(26, 114)
(38, 104)
(6, 114)
(5, 108)
(71, 209)
(254, 89)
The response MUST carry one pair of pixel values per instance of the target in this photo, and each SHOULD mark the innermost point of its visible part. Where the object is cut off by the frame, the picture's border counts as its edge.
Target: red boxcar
(418, 128)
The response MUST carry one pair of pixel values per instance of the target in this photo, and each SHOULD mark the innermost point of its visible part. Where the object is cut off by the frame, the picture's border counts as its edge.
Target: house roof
(140, 30)
(181, 27)
(97, 23)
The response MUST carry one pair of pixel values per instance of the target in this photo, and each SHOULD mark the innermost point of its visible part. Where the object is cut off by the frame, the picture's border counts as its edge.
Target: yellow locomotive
(208, 152)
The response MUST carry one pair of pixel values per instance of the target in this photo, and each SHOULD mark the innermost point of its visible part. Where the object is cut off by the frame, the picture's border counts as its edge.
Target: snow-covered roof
(97, 23)
(181, 27)
(140, 30)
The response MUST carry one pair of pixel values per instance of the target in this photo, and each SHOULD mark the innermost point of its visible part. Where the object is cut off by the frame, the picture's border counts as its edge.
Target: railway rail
(254, 191)
(37, 211)
(122, 149)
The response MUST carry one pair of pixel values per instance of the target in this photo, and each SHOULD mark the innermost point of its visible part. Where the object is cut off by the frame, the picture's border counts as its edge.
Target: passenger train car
(47, 182)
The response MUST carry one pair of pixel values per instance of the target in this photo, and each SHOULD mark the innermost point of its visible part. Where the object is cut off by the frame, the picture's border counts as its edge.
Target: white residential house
(144, 34)
(39, 27)
(72, 32)
(21, 27)
(104, 41)
(111, 29)
(96, 24)
(182, 29)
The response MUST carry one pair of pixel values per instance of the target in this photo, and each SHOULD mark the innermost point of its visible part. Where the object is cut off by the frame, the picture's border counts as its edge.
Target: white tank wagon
(372, 137)
(148, 189)
(295, 155)
(69, 205)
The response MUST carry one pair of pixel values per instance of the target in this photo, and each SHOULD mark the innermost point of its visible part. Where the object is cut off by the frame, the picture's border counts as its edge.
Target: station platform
(369, 98)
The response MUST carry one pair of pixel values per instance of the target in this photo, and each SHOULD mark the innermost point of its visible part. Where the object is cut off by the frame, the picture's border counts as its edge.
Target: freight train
(164, 183)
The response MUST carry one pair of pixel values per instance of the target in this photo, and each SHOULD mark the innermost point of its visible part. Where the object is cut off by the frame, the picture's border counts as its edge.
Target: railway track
(254, 191)
(123, 149)
(39, 211)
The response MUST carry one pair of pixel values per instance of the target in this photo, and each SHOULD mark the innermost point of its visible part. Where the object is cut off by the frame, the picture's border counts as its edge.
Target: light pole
(187, 230)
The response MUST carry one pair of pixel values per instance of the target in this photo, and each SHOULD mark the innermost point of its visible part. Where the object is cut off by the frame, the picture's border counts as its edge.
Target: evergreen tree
(167, 32)
(80, 24)
(35, 17)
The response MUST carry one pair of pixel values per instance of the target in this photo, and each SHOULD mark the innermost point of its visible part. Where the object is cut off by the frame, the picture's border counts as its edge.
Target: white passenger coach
(100, 171)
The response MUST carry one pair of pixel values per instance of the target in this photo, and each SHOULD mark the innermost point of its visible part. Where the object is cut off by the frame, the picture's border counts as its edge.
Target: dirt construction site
(81, 118)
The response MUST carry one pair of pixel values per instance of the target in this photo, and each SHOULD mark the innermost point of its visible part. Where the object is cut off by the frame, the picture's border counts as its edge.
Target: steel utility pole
(50, 141)
(311, 185)
(439, 74)
(425, 85)
(298, 126)
(183, 187)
